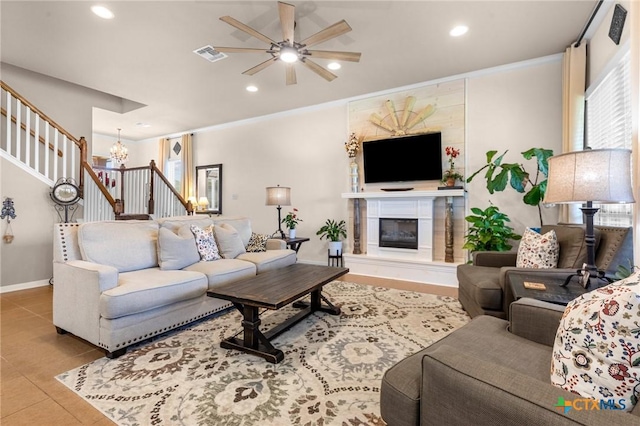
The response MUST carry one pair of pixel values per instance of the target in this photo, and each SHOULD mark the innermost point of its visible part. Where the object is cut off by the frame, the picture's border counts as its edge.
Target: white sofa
(116, 283)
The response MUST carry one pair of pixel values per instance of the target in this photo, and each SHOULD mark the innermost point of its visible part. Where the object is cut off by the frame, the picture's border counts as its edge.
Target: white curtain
(635, 112)
(163, 153)
(574, 70)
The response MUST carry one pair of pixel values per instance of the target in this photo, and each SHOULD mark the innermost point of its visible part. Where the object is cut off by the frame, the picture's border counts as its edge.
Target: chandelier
(119, 152)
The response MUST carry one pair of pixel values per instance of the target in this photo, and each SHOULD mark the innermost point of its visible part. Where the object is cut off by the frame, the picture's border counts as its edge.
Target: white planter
(292, 233)
(335, 248)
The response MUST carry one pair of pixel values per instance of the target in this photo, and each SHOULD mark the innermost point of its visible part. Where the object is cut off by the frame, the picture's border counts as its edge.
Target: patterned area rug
(330, 375)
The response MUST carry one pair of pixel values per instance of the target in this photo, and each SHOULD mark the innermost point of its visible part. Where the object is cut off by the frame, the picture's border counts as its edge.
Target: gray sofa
(119, 282)
(483, 285)
(489, 372)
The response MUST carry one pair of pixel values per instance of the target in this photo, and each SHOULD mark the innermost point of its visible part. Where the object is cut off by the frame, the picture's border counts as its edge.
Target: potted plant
(332, 231)
(291, 221)
(489, 231)
(451, 175)
(499, 173)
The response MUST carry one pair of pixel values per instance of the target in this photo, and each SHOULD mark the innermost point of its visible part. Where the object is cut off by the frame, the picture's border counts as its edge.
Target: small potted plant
(332, 230)
(291, 221)
(450, 176)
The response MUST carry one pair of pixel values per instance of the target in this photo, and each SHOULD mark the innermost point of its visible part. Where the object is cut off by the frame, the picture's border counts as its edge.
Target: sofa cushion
(595, 353)
(484, 336)
(257, 242)
(143, 290)
(573, 249)
(270, 259)
(126, 245)
(228, 240)
(539, 251)
(241, 224)
(176, 222)
(224, 271)
(482, 284)
(206, 243)
(175, 251)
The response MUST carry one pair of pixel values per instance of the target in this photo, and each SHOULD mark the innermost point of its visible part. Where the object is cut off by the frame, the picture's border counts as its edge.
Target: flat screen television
(401, 159)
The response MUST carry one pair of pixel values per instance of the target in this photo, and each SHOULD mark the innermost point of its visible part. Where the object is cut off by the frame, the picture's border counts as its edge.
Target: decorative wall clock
(403, 124)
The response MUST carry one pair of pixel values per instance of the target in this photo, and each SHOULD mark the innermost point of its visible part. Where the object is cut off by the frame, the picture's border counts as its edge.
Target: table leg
(316, 304)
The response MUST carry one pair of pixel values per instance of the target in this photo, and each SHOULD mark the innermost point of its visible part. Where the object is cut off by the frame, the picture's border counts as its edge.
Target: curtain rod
(586, 27)
(177, 137)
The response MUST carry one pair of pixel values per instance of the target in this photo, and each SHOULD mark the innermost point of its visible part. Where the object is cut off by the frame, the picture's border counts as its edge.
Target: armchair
(488, 372)
(483, 285)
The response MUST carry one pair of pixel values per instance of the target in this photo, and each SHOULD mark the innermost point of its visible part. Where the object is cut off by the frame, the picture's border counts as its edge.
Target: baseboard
(23, 286)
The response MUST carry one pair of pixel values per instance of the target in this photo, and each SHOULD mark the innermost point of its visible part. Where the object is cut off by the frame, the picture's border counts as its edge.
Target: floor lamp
(602, 176)
(279, 196)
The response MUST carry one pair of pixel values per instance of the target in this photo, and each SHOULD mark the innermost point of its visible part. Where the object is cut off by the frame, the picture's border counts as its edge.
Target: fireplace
(398, 233)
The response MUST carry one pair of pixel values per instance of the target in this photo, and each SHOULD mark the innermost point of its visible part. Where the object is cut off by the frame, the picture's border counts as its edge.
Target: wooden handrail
(186, 205)
(103, 189)
(33, 134)
(6, 87)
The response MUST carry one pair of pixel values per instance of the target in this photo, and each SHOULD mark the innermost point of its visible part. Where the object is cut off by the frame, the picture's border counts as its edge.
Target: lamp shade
(278, 196)
(599, 175)
(203, 201)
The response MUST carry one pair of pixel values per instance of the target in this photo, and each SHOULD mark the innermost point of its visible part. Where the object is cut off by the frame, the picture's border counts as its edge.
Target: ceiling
(145, 54)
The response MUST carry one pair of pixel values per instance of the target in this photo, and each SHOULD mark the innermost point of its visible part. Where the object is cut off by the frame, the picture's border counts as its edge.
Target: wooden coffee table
(274, 290)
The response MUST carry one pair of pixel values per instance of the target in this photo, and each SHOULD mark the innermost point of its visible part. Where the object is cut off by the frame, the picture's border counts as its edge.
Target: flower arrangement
(451, 173)
(291, 219)
(352, 146)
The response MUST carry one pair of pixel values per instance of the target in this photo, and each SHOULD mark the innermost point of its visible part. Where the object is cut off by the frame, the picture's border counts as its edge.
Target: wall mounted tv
(401, 159)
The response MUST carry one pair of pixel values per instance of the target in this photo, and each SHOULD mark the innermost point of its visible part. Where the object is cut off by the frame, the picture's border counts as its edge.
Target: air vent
(209, 53)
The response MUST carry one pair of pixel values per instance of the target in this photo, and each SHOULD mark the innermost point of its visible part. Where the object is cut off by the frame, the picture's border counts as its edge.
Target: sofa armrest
(77, 286)
(535, 320)
(495, 259)
(276, 244)
(461, 389)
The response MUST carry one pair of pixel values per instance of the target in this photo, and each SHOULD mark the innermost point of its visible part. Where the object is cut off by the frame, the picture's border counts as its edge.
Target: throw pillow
(537, 251)
(176, 251)
(257, 243)
(229, 242)
(596, 352)
(206, 243)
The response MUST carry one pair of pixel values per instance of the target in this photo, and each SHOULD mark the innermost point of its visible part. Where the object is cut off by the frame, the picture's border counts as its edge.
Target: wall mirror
(209, 189)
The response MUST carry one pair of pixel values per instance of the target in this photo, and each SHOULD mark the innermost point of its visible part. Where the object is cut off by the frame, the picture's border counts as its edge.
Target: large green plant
(499, 174)
(333, 230)
(489, 231)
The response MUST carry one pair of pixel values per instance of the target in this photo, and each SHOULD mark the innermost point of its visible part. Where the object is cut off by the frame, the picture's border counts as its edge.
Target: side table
(295, 243)
(553, 292)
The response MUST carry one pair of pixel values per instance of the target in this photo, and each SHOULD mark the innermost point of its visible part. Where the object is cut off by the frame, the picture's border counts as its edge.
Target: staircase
(38, 145)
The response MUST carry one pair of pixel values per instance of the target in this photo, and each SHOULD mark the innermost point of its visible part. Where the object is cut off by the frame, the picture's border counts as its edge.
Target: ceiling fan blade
(287, 20)
(240, 50)
(291, 74)
(247, 29)
(338, 56)
(328, 33)
(322, 72)
(260, 67)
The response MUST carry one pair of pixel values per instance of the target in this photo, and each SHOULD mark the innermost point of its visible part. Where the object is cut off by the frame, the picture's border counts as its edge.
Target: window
(173, 173)
(608, 124)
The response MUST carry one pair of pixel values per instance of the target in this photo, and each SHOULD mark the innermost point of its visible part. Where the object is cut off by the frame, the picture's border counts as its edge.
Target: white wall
(601, 48)
(513, 110)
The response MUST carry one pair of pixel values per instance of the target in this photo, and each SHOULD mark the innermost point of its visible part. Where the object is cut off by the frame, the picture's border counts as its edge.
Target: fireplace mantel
(403, 263)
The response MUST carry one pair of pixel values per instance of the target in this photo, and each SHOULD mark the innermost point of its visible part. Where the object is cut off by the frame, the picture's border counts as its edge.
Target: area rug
(330, 375)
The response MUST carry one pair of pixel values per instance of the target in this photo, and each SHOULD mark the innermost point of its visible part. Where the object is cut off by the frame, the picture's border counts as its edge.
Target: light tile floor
(32, 354)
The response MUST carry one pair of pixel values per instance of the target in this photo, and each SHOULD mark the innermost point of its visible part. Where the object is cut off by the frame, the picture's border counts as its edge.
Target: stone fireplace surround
(397, 263)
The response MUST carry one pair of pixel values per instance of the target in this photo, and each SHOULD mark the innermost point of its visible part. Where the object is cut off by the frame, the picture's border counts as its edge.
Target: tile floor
(32, 354)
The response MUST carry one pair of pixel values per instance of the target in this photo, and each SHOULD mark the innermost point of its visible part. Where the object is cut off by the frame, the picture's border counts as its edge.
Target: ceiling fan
(290, 51)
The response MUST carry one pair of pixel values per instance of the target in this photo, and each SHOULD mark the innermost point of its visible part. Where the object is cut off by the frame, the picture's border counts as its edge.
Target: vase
(353, 174)
(292, 233)
(451, 181)
(335, 248)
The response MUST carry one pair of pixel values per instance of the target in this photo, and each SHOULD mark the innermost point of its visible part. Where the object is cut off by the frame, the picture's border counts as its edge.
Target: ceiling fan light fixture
(288, 55)
(334, 66)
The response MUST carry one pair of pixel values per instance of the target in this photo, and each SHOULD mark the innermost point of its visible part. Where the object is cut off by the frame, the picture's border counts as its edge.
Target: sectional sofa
(116, 283)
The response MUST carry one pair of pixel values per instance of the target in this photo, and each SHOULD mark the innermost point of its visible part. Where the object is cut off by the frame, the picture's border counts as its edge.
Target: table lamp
(203, 203)
(593, 175)
(279, 196)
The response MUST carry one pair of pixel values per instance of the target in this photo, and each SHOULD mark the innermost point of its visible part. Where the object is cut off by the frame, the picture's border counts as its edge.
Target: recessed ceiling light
(102, 12)
(458, 31)
(143, 124)
(334, 66)
(252, 89)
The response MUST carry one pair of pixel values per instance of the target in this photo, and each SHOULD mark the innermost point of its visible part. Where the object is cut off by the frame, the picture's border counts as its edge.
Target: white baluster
(27, 145)
(56, 136)
(36, 148)
(46, 150)
(9, 102)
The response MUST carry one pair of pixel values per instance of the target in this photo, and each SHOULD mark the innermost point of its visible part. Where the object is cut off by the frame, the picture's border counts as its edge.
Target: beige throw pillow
(538, 251)
(229, 242)
(177, 251)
